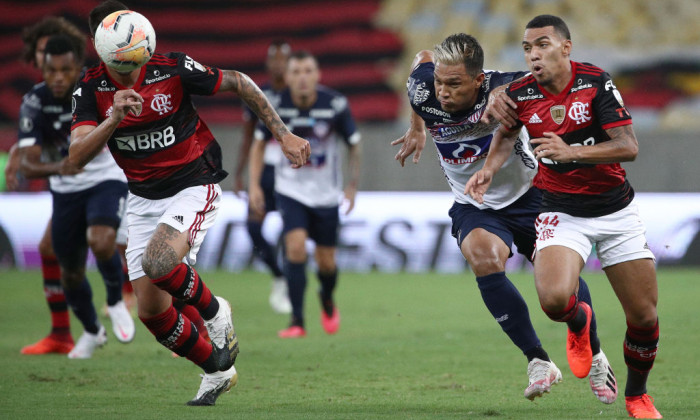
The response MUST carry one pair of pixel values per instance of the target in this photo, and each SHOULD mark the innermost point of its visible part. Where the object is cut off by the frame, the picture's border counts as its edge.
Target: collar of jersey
(136, 86)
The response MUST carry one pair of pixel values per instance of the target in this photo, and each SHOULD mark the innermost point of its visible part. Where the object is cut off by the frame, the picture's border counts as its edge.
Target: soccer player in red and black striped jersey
(581, 130)
(173, 165)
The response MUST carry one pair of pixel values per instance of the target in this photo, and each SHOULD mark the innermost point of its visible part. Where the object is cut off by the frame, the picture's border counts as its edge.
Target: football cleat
(279, 296)
(122, 323)
(294, 331)
(50, 344)
(642, 407)
(602, 379)
(222, 335)
(578, 346)
(330, 324)
(213, 385)
(543, 375)
(87, 343)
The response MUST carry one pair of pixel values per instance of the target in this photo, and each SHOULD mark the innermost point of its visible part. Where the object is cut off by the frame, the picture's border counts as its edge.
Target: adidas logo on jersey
(179, 219)
(535, 119)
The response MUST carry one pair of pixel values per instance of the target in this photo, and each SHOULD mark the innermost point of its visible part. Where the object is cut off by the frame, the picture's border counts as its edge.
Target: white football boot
(122, 323)
(87, 343)
(542, 376)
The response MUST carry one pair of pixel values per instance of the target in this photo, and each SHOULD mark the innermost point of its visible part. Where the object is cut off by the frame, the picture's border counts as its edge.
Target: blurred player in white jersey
(308, 198)
(449, 91)
(276, 63)
(87, 204)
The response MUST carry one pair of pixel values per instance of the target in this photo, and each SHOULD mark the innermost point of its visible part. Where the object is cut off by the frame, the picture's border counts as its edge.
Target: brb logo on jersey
(147, 141)
(161, 103)
(579, 112)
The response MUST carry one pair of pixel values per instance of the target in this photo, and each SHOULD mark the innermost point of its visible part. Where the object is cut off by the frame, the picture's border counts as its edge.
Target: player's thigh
(483, 237)
(104, 209)
(182, 227)
(323, 226)
(68, 227)
(557, 270)
(563, 246)
(635, 285)
(45, 247)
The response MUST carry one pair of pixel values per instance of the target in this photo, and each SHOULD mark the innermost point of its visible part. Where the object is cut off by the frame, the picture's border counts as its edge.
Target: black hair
(49, 26)
(556, 22)
(60, 44)
(103, 10)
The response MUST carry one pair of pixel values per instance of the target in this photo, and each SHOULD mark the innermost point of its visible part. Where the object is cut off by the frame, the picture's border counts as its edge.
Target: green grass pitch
(410, 346)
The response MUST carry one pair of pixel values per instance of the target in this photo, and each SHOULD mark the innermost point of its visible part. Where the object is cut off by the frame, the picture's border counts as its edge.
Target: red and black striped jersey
(580, 114)
(166, 148)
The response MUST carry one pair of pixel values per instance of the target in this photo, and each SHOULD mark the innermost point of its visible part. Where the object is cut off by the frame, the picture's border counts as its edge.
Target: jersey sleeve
(512, 95)
(30, 121)
(420, 85)
(196, 78)
(608, 105)
(345, 123)
(84, 106)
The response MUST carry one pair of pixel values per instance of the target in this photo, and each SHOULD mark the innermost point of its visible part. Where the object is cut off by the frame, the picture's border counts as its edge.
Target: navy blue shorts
(320, 223)
(74, 212)
(513, 224)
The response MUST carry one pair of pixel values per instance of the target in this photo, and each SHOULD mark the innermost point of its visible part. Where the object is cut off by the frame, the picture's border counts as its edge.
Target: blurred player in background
(308, 198)
(59, 340)
(173, 190)
(581, 130)
(448, 91)
(86, 203)
(277, 54)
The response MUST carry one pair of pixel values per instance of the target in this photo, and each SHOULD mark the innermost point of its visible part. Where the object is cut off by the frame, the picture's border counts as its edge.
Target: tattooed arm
(295, 148)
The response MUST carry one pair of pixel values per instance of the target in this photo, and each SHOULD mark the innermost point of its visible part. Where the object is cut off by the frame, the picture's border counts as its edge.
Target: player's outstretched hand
(500, 107)
(296, 149)
(478, 184)
(349, 201)
(412, 141)
(125, 101)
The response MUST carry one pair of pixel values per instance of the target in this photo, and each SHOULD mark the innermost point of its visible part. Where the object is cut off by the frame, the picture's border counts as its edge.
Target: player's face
(61, 72)
(546, 54)
(302, 76)
(454, 88)
(39, 51)
(276, 63)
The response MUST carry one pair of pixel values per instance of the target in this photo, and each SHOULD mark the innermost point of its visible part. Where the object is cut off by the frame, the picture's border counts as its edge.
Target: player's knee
(483, 264)
(45, 247)
(103, 249)
(156, 267)
(71, 278)
(554, 302)
(643, 317)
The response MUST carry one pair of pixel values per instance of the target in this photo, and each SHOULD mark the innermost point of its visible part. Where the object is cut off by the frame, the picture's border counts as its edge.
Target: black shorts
(513, 224)
(321, 223)
(74, 212)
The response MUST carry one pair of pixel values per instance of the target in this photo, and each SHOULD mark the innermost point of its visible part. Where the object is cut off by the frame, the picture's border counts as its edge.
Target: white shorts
(193, 209)
(618, 237)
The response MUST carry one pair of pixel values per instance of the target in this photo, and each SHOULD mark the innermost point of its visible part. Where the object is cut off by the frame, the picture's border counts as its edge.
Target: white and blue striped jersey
(463, 142)
(325, 124)
(45, 121)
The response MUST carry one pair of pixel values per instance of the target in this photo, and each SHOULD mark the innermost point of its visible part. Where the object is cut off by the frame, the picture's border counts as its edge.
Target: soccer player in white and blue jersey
(308, 198)
(87, 204)
(448, 91)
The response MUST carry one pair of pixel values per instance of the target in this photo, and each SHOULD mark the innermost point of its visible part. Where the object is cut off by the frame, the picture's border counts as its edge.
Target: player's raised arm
(296, 149)
(87, 141)
(501, 146)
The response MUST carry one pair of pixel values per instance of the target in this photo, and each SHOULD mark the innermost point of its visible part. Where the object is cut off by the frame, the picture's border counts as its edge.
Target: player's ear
(566, 47)
(478, 80)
